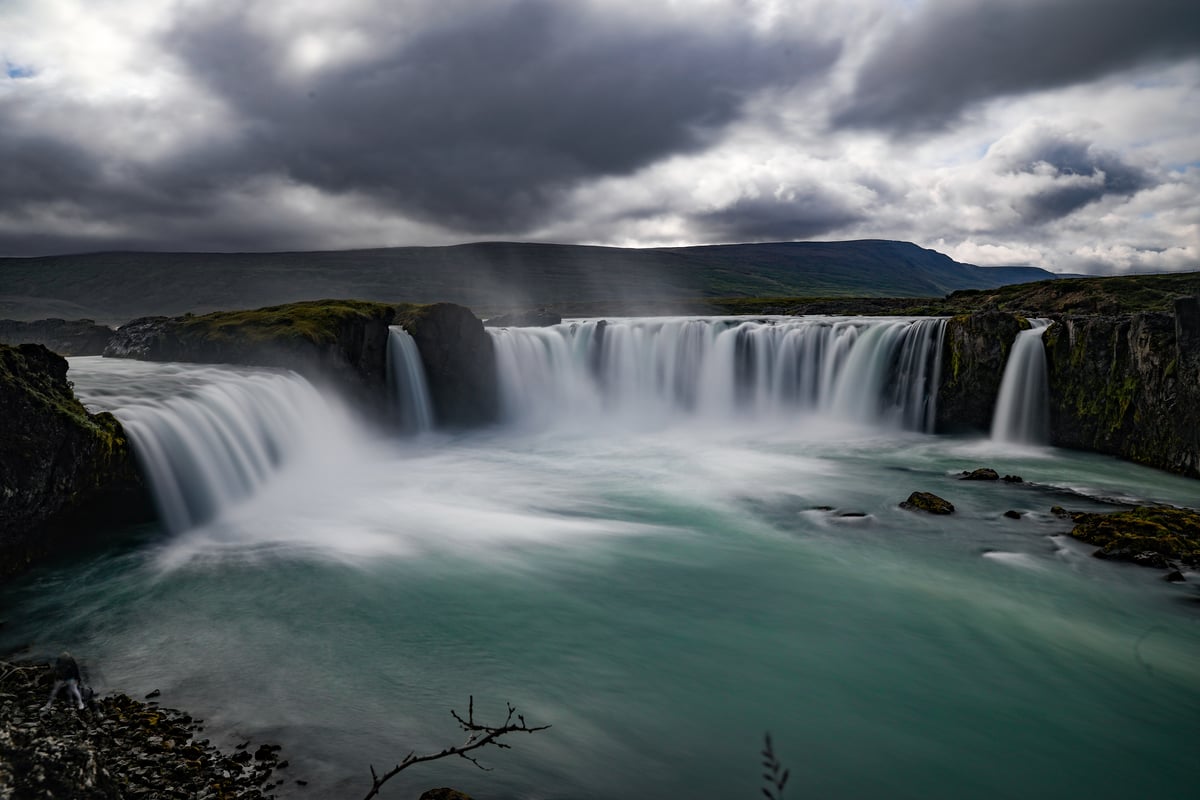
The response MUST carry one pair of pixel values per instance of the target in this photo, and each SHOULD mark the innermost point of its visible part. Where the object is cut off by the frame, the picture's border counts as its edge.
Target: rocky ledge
(117, 747)
(58, 463)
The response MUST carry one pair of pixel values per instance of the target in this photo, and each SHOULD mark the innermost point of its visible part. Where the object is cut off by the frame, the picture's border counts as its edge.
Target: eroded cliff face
(339, 342)
(460, 362)
(64, 473)
(1129, 386)
(1125, 385)
(974, 351)
(81, 337)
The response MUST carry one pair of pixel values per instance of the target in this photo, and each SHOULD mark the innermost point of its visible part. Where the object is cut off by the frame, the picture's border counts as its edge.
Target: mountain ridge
(117, 286)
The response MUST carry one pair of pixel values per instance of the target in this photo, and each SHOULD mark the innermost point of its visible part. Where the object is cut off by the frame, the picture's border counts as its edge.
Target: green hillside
(115, 287)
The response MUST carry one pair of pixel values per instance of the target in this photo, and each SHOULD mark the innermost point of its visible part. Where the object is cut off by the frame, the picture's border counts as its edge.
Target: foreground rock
(343, 342)
(63, 471)
(1152, 537)
(981, 474)
(116, 748)
(81, 337)
(928, 502)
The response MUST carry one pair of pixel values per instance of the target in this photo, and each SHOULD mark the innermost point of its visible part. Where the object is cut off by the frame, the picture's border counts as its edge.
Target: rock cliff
(63, 472)
(975, 348)
(81, 337)
(342, 342)
(1129, 386)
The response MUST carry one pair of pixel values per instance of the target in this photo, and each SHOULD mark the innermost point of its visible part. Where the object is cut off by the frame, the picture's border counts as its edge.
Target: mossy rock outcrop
(1129, 386)
(928, 502)
(339, 342)
(63, 471)
(974, 350)
(1144, 535)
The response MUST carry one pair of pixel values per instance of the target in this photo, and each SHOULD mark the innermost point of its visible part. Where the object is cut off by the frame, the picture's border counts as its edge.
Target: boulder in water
(1013, 479)
(1149, 536)
(928, 502)
(1012, 514)
(444, 793)
(981, 474)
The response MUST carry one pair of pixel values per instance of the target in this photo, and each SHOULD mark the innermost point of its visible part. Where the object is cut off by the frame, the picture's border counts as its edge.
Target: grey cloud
(954, 54)
(1080, 174)
(480, 124)
(761, 219)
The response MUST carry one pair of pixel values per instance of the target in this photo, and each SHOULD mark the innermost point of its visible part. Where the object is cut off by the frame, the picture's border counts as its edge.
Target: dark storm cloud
(1080, 173)
(952, 55)
(480, 123)
(764, 219)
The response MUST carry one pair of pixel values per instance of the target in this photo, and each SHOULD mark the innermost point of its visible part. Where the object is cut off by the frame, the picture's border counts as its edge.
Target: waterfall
(872, 371)
(406, 379)
(1022, 414)
(217, 444)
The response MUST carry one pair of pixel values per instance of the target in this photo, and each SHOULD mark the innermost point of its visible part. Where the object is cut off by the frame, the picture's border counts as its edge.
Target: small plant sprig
(774, 778)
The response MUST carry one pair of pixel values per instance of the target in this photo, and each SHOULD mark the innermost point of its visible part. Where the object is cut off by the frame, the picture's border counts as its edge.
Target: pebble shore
(117, 747)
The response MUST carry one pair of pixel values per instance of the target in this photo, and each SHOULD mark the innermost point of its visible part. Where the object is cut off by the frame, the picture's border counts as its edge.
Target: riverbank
(117, 747)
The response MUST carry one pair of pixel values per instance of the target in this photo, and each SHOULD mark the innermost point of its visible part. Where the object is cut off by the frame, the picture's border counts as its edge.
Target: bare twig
(478, 735)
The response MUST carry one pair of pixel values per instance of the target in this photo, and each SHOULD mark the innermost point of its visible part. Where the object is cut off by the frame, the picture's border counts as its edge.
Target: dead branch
(478, 735)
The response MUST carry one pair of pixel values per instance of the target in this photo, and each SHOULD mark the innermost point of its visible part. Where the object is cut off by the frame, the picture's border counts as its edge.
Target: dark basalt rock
(1129, 386)
(343, 342)
(1013, 479)
(981, 474)
(444, 793)
(81, 337)
(1013, 514)
(58, 463)
(1175, 576)
(459, 360)
(1149, 536)
(928, 502)
(975, 348)
(538, 318)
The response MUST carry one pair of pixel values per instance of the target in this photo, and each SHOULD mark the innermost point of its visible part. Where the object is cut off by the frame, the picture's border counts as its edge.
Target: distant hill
(487, 276)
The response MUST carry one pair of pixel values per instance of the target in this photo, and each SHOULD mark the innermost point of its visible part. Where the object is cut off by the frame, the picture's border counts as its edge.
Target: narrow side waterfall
(872, 371)
(215, 445)
(1022, 408)
(406, 378)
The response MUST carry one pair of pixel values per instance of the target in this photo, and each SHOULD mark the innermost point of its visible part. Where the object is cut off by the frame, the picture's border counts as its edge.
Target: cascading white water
(216, 445)
(1022, 407)
(406, 377)
(874, 371)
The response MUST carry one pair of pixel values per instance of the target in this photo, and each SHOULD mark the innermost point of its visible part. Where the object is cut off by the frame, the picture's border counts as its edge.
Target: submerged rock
(1149, 536)
(981, 474)
(444, 793)
(1013, 514)
(1013, 479)
(928, 502)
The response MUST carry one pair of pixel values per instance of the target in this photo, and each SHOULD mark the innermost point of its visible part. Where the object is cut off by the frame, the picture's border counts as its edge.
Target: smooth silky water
(661, 587)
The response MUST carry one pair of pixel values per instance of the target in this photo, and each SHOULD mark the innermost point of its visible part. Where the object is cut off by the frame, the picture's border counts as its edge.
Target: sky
(1059, 133)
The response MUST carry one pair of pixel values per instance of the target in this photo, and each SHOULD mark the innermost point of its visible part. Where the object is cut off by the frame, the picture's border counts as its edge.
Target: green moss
(1170, 532)
(315, 321)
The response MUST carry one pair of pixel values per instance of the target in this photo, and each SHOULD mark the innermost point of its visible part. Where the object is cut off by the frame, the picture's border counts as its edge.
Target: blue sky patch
(17, 71)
